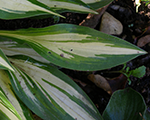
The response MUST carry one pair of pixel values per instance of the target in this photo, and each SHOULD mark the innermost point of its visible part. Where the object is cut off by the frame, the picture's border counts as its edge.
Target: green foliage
(138, 72)
(125, 104)
(29, 85)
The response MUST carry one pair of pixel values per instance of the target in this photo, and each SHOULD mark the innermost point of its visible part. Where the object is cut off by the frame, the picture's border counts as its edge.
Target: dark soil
(133, 23)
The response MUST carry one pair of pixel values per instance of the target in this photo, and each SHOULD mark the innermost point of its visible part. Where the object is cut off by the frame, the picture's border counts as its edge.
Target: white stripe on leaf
(8, 113)
(7, 88)
(4, 63)
(22, 7)
(11, 48)
(87, 49)
(39, 76)
(67, 5)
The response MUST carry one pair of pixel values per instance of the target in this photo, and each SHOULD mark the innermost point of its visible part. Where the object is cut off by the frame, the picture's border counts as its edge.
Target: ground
(134, 27)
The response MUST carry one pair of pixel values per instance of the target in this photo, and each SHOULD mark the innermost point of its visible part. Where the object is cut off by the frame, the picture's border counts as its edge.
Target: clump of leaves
(29, 77)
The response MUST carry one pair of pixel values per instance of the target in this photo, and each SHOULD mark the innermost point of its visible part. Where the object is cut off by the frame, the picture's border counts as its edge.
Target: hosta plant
(29, 59)
(126, 104)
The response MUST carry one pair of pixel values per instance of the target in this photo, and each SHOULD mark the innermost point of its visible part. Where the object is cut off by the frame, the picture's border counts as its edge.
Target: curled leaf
(143, 41)
(4, 62)
(101, 82)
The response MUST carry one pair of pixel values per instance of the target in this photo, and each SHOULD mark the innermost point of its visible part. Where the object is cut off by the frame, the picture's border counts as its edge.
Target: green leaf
(125, 104)
(95, 4)
(10, 107)
(49, 93)
(4, 63)
(139, 72)
(76, 47)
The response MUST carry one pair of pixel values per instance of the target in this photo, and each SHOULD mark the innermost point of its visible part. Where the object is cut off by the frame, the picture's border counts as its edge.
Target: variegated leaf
(10, 107)
(7, 111)
(12, 9)
(76, 47)
(11, 48)
(60, 6)
(4, 63)
(49, 93)
(73, 5)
